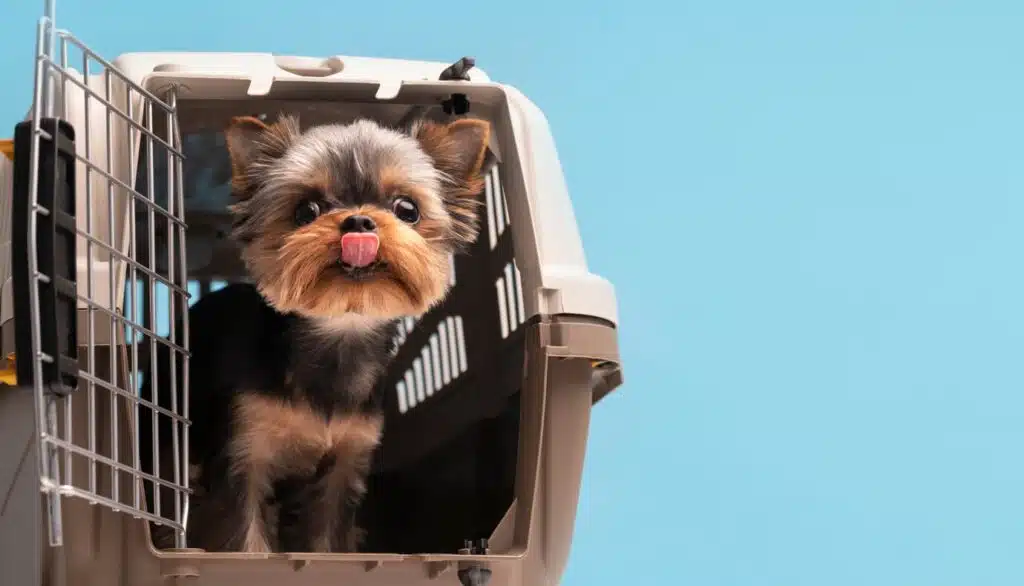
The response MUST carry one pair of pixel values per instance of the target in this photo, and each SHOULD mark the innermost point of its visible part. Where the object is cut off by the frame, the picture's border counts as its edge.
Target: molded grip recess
(310, 66)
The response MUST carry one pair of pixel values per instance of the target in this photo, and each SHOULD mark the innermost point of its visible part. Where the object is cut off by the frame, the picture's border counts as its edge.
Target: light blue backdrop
(813, 214)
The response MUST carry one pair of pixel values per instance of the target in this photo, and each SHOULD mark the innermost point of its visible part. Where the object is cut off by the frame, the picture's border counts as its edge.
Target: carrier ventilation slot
(441, 361)
(511, 310)
(406, 325)
(497, 208)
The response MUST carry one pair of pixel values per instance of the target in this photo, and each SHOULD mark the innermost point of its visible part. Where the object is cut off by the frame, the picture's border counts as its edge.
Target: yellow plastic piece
(7, 148)
(9, 375)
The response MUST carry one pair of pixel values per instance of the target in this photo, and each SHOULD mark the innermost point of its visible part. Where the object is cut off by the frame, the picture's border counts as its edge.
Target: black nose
(359, 224)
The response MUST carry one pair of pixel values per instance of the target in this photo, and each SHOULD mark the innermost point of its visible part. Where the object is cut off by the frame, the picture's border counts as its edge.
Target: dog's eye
(406, 210)
(306, 212)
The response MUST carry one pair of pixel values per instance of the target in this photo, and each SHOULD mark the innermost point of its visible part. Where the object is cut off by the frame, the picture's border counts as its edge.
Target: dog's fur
(284, 412)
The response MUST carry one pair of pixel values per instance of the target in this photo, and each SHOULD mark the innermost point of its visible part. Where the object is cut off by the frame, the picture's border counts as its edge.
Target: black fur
(239, 344)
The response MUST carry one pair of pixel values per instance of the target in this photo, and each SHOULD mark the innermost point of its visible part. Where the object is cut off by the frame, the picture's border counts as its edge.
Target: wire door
(127, 286)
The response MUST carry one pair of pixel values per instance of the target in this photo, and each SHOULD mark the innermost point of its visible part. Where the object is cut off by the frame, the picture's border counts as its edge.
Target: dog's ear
(252, 145)
(457, 148)
(242, 137)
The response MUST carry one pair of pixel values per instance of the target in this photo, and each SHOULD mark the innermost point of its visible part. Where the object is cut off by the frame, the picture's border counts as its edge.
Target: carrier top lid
(262, 69)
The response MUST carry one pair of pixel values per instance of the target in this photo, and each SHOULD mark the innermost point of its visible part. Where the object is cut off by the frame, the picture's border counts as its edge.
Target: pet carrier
(114, 220)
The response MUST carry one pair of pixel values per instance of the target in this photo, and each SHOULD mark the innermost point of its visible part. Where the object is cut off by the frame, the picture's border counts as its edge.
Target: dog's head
(355, 219)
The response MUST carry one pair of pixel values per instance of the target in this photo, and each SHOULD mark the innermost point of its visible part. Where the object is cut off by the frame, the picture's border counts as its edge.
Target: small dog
(343, 230)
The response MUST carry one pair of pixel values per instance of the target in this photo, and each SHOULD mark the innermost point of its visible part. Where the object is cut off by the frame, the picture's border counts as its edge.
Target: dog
(343, 230)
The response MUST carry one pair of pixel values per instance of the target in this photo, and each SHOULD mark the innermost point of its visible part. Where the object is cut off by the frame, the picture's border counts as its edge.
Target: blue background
(812, 212)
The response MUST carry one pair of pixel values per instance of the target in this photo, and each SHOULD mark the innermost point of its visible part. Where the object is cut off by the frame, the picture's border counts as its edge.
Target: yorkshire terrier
(343, 230)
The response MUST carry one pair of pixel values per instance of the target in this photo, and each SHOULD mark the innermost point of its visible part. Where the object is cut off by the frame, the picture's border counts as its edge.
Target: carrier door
(100, 290)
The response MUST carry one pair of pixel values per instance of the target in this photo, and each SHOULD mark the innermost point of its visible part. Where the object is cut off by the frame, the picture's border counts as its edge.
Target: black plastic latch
(478, 547)
(54, 315)
(457, 104)
(458, 71)
(474, 574)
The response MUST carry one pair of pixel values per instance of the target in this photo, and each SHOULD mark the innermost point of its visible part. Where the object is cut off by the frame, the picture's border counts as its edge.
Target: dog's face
(354, 219)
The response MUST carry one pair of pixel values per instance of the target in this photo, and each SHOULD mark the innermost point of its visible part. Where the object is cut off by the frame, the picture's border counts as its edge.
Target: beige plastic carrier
(113, 220)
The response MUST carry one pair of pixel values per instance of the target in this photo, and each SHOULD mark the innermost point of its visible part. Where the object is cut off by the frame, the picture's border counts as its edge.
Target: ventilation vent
(405, 327)
(511, 310)
(509, 285)
(441, 361)
(497, 208)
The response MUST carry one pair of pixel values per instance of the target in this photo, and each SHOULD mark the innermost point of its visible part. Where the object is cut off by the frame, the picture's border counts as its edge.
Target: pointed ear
(469, 139)
(251, 143)
(242, 137)
(457, 148)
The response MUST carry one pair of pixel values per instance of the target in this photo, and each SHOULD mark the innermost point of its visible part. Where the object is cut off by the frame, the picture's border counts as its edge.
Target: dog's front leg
(251, 488)
(261, 449)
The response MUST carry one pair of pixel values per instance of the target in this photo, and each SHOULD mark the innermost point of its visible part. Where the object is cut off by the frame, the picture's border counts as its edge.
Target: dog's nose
(358, 224)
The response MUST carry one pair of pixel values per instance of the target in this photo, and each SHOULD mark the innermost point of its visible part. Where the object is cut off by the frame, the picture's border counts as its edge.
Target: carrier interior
(445, 472)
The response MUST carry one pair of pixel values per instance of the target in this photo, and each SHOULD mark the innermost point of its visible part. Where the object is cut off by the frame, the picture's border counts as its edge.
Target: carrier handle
(310, 67)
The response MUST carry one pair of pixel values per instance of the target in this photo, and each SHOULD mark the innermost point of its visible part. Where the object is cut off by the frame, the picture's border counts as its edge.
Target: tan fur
(433, 221)
(249, 140)
(392, 180)
(441, 141)
(277, 438)
(459, 150)
(295, 268)
(300, 273)
(236, 136)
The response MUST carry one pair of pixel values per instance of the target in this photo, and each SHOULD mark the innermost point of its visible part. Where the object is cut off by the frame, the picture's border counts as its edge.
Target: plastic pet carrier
(114, 194)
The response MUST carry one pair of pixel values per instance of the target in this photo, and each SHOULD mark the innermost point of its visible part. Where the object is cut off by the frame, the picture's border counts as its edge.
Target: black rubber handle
(54, 246)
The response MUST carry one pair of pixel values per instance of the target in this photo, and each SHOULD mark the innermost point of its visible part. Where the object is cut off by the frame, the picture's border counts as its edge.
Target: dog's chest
(279, 436)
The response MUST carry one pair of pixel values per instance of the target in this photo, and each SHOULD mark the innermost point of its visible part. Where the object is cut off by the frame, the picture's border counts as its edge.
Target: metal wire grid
(89, 445)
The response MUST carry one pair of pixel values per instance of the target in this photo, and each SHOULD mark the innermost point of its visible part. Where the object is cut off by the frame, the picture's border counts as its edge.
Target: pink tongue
(359, 249)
